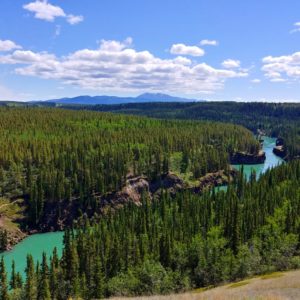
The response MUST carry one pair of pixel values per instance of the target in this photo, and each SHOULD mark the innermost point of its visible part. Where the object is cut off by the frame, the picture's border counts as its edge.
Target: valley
(149, 150)
(80, 182)
(38, 243)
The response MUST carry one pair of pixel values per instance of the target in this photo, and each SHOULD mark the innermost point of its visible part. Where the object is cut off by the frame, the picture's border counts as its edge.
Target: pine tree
(3, 280)
(43, 286)
(98, 279)
(13, 280)
(30, 283)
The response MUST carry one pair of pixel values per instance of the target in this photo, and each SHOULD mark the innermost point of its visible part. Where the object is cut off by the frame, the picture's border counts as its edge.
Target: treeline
(50, 156)
(276, 119)
(174, 244)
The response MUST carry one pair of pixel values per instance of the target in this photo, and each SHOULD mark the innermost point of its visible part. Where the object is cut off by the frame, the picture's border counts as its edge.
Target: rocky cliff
(280, 149)
(134, 189)
(243, 158)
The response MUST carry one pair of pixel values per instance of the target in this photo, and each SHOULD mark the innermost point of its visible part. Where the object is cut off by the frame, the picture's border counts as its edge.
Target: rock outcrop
(215, 179)
(133, 192)
(280, 151)
(14, 237)
(244, 158)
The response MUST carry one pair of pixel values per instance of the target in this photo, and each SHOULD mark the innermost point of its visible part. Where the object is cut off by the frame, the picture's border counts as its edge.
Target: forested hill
(276, 119)
(54, 157)
(172, 245)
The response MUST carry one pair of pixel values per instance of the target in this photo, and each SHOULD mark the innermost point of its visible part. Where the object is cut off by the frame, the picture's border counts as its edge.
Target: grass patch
(238, 284)
(10, 213)
(203, 289)
(272, 275)
(175, 167)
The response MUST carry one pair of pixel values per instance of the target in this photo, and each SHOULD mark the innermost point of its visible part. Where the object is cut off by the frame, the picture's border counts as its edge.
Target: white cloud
(71, 19)
(7, 45)
(182, 49)
(256, 80)
(282, 68)
(296, 27)
(209, 43)
(115, 46)
(231, 63)
(117, 66)
(27, 57)
(43, 10)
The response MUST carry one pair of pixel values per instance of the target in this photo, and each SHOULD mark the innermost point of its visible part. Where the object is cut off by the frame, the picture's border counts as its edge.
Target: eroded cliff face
(135, 188)
(11, 216)
(280, 149)
(58, 215)
(14, 237)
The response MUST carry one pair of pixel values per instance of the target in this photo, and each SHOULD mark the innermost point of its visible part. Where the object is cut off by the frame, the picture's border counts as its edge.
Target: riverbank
(37, 243)
(11, 215)
(135, 187)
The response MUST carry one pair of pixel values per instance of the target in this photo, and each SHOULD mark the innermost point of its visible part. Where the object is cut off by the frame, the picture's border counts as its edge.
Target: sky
(214, 49)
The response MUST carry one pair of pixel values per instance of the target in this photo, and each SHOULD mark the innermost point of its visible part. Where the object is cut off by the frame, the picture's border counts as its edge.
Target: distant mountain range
(147, 97)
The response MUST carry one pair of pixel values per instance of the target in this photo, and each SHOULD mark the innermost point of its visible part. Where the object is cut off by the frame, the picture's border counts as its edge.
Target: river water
(271, 161)
(45, 242)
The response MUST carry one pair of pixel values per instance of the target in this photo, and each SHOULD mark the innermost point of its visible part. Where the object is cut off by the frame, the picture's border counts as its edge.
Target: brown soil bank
(11, 214)
(276, 286)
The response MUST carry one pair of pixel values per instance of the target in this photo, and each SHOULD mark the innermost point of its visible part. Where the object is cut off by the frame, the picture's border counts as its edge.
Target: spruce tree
(3, 280)
(30, 283)
(43, 286)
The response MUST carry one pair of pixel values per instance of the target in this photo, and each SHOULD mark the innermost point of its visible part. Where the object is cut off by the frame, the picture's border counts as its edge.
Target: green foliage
(276, 119)
(3, 281)
(173, 244)
(54, 157)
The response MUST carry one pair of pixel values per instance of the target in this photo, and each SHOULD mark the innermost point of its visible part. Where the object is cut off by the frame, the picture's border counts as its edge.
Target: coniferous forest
(54, 158)
(149, 150)
(174, 244)
(281, 120)
(51, 156)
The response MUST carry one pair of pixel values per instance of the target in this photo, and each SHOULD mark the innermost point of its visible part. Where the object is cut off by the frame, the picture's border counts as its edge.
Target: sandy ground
(279, 286)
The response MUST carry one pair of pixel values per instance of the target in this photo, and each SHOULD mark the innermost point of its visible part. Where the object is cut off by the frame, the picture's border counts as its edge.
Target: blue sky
(217, 50)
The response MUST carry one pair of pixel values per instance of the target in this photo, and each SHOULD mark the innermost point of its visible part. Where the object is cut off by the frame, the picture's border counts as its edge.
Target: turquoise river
(45, 242)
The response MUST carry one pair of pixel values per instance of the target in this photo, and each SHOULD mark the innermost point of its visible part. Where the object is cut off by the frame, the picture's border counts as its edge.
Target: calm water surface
(271, 161)
(35, 244)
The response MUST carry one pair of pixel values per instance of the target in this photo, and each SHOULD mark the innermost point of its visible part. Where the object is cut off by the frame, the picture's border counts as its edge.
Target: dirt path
(277, 286)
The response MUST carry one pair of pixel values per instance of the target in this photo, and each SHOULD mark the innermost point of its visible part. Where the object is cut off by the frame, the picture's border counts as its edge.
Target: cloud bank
(282, 68)
(117, 66)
